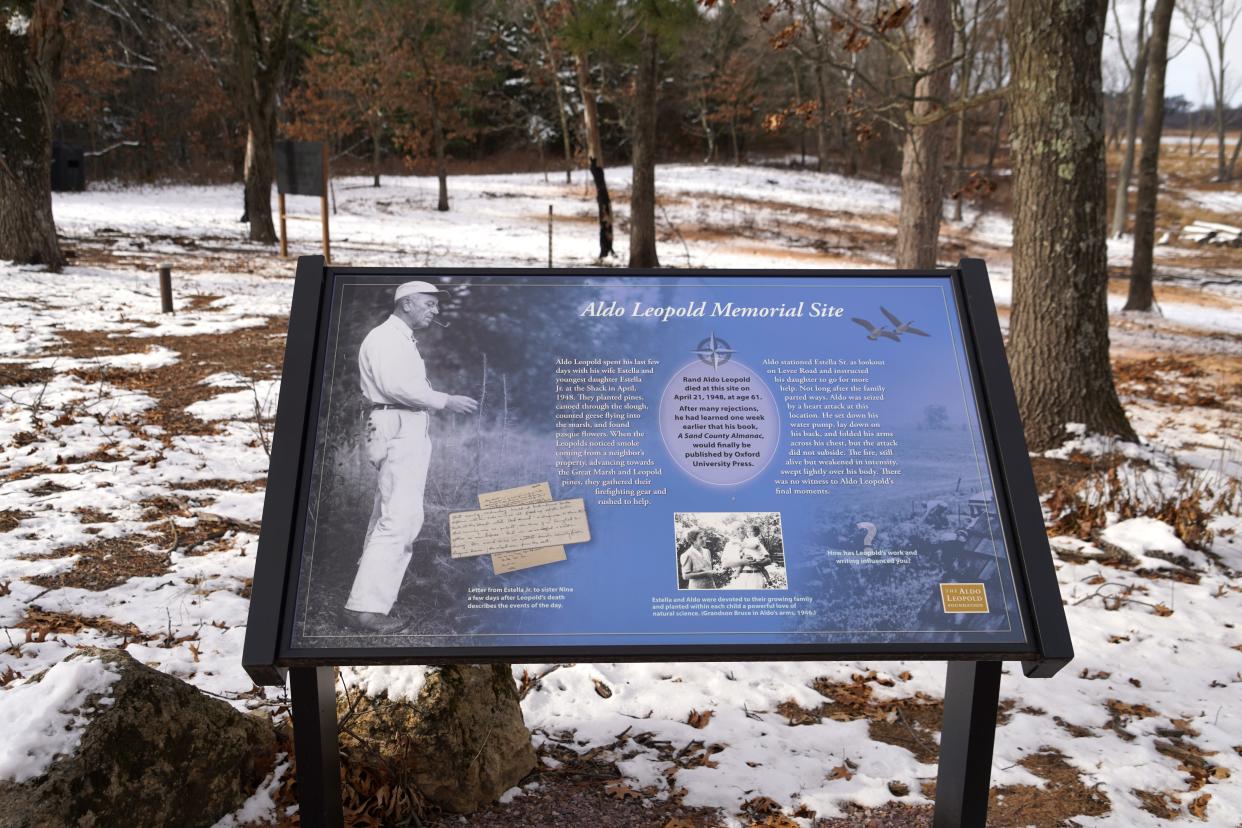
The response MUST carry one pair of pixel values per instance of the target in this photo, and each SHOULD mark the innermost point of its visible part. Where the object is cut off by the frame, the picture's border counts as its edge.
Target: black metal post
(971, 694)
(166, 305)
(314, 742)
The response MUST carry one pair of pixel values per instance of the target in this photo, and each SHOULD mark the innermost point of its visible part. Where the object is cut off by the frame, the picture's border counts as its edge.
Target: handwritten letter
(503, 562)
(513, 528)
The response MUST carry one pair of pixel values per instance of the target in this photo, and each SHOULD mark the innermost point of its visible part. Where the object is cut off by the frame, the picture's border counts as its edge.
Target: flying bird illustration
(874, 333)
(900, 327)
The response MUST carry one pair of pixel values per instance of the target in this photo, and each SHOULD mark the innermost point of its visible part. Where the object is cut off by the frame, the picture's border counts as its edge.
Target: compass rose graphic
(714, 351)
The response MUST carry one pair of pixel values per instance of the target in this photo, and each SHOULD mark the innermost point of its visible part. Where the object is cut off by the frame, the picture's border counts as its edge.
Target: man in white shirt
(394, 383)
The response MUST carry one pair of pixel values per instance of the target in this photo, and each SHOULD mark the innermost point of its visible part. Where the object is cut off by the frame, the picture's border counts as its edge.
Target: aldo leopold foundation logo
(963, 598)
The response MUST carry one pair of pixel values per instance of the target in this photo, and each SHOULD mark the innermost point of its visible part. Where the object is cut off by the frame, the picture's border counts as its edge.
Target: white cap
(410, 288)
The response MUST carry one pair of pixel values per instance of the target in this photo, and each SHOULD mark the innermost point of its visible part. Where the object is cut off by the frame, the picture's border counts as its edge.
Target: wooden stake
(549, 235)
(166, 303)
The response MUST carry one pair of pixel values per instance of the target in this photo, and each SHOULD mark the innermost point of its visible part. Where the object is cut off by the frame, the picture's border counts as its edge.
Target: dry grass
(249, 352)
(107, 563)
(1062, 797)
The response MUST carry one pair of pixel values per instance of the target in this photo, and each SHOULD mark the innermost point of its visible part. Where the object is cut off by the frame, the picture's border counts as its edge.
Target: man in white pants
(394, 382)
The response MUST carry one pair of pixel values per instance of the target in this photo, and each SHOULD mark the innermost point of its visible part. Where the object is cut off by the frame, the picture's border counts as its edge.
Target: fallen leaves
(1198, 807)
(699, 719)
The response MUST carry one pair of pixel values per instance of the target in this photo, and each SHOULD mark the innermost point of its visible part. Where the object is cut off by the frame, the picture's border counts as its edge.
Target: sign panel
(299, 168)
(793, 461)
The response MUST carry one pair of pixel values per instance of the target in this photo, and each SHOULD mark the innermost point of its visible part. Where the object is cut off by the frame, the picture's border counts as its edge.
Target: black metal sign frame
(974, 669)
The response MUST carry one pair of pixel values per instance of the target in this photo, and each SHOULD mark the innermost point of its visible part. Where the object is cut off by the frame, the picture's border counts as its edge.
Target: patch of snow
(261, 806)
(397, 683)
(45, 719)
(259, 400)
(1142, 535)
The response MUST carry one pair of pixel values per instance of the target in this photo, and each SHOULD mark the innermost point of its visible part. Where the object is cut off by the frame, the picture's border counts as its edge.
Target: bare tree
(1136, 68)
(553, 56)
(31, 44)
(1058, 345)
(1211, 23)
(595, 152)
(1140, 297)
(260, 49)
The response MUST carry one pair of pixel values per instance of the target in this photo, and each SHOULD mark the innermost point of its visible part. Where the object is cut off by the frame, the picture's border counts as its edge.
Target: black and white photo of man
(401, 400)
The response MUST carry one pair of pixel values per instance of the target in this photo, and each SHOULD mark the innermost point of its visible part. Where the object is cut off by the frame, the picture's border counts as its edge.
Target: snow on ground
(108, 455)
(45, 719)
(1228, 202)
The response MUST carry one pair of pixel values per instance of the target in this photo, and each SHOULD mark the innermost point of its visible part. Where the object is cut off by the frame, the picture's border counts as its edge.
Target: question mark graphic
(871, 530)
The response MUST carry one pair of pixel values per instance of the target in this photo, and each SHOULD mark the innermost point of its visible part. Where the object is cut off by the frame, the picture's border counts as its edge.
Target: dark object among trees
(68, 168)
(1058, 347)
(1140, 297)
(31, 43)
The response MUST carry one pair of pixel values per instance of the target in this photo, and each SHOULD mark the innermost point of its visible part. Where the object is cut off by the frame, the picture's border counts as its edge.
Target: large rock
(153, 751)
(461, 742)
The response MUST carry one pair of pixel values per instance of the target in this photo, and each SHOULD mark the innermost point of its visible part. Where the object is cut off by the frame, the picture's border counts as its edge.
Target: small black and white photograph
(730, 550)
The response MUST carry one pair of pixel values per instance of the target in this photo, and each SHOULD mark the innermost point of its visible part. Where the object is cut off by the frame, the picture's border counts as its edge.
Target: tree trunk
(1058, 345)
(437, 137)
(375, 155)
(708, 133)
(737, 152)
(605, 210)
(922, 158)
(959, 163)
(1233, 160)
(642, 190)
(793, 65)
(259, 61)
(994, 142)
(1220, 118)
(29, 63)
(595, 154)
(821, 125)
(260, 170)
(1121, 201)
(1140, 297)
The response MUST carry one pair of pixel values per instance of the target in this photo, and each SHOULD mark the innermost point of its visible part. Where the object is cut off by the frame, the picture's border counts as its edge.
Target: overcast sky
(1188, 72)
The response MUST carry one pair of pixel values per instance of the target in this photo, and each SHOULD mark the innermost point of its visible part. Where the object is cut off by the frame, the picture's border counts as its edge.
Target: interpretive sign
(477, 465)
(299, 168)
(302, 169)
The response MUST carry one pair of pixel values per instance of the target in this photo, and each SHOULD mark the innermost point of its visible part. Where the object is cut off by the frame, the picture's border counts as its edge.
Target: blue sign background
(937, 523)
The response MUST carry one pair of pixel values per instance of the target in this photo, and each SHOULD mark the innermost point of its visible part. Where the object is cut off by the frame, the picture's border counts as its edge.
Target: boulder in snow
(458, 734)
(100, 739)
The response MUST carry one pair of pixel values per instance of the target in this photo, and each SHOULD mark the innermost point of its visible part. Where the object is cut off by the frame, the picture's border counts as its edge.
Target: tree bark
(595, 154)
(259, 60)
(29, 63)
(1121, 201)
(437, 136)
(1140, 297)
(821, 125)
(922, 157)
(1058, 347)
(642, 190)
(376, 131)
(260, 170)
